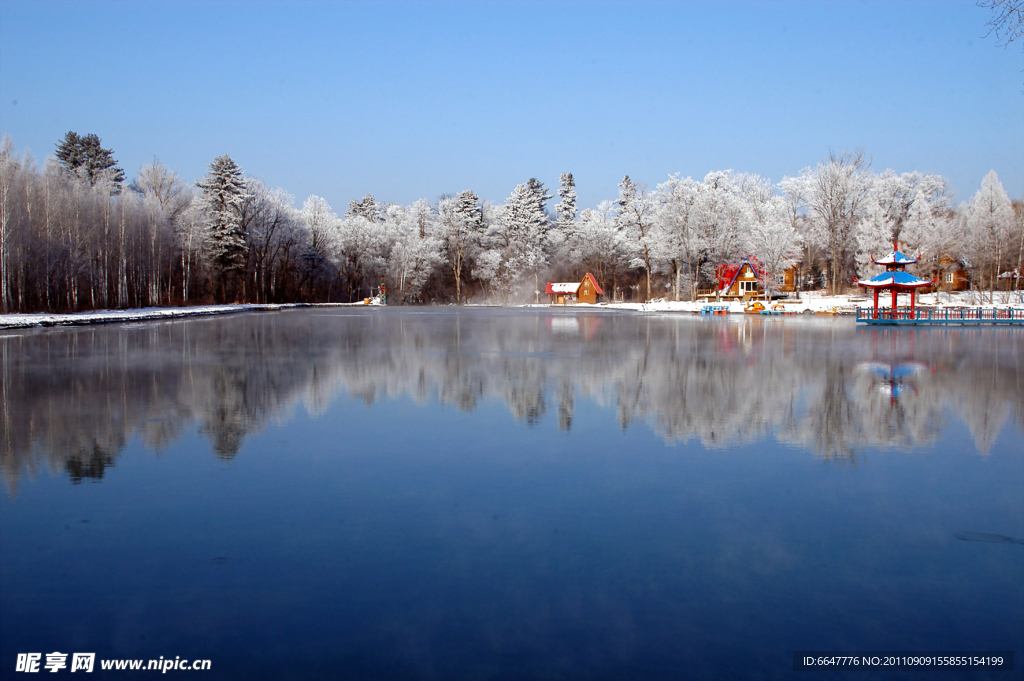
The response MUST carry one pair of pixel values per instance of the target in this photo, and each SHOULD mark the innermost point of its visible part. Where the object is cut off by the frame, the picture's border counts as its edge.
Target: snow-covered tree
(190, 232)
(990, 222)
(719, 213)
(366, 207)
(636, 219)
(322, 223)
(836, 193)
(84, 155)
(224, 192)
(676, 200)
(600, 246)
(773, 241)
(525, 231)
(412, 258)
(460, 230)
(566, 207)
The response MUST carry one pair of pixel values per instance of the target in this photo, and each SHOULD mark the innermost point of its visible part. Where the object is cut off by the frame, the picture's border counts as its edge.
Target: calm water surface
(503, 494)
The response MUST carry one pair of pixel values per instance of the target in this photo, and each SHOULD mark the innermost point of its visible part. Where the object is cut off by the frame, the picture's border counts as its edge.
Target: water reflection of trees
(72, 398)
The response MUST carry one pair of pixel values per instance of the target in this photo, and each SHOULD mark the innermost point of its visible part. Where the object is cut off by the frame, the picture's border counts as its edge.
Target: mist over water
(494, 493)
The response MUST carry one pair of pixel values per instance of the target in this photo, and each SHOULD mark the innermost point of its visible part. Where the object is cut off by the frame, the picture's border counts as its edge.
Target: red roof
(593, 281)
(727, 272)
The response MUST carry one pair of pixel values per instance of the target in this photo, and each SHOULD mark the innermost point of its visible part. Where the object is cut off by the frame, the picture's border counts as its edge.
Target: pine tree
(526, 223)
(224, 191)
(566, 208)
(366, 207)
(85, 156)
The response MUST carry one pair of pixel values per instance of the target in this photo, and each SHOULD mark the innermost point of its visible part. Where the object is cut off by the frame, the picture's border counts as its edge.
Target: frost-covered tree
(836, 193)
(720, 213)
(600, 246)
(366, 207)
(164, 196)
(461, 226)
(525, 233)
(566, 206)
(412, 258)
(487, 268)
(770, 236)
(676, 200)
(322, 223)
(990, 221)
(224, 192)
(773, 241)
(84, 156)
(636, 218)
(902, 208)
(189, 232)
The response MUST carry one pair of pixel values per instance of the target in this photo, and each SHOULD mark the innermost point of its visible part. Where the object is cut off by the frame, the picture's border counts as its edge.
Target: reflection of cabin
(737, 280)
(574, 327)
(585, 291)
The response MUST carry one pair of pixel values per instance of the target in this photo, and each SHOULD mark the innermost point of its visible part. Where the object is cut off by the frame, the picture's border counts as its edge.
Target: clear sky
(410, 100)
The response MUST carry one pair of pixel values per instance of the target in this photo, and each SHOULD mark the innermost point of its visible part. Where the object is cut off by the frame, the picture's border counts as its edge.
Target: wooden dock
(953, 315)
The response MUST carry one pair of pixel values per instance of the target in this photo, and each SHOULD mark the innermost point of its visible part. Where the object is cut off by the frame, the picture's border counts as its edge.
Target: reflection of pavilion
(893, 380)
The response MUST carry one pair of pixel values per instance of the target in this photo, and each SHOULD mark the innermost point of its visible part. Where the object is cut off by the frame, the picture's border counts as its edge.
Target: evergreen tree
(526, 223)
(85, 157)
(366, 207)
(566, 208)
(224, 191)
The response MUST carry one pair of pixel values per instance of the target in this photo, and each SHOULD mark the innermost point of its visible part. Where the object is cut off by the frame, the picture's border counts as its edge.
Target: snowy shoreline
(812, 302)
(820, 303)
(142, 314)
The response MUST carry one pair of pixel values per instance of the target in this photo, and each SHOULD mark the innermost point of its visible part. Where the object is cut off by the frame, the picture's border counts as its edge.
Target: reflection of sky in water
(694, 497)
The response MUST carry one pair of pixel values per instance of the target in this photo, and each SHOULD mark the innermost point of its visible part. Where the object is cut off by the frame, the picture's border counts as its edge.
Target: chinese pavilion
(895, 279)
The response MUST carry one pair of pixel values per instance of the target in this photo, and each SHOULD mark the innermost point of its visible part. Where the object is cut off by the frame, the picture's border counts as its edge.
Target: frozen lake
(500, 494)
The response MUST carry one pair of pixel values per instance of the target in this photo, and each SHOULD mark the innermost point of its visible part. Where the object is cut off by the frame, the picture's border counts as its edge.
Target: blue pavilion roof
(897, 278)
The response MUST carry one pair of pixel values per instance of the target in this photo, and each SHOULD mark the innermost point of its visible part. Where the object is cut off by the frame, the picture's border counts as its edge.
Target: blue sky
(410, 100)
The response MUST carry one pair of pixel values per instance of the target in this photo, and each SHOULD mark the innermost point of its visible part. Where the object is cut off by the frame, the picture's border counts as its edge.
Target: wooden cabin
(738, 281)
(950, 274)
(585, 291)
(789, 278)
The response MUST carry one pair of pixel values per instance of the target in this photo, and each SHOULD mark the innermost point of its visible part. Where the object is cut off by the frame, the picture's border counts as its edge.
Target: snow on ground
(813, 301)
(818, 301)
(13, 321)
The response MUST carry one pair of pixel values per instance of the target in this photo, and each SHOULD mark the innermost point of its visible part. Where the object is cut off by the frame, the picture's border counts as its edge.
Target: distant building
(950, 274)
(585, 291)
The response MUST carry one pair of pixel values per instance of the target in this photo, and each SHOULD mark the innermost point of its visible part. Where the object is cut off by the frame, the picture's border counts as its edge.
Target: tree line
(75, 236)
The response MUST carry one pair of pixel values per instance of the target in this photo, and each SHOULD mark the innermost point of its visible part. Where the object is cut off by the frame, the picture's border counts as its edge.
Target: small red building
(585, 291)
(738, 280)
